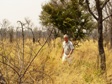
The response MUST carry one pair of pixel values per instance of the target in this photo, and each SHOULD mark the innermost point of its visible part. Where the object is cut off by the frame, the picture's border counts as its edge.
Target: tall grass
(47, 68)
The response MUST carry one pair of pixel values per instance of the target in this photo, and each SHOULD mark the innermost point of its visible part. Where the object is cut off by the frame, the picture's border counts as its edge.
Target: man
(67, 50)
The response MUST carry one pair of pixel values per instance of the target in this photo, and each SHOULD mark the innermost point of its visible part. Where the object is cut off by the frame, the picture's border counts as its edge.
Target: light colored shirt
(67, 47)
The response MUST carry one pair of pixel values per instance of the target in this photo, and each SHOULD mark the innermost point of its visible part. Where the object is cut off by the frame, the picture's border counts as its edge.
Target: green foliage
(68, 16)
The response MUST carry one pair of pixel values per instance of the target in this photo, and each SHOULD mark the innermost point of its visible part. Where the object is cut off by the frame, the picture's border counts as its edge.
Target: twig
(107, 17)
(105, 3)
(36, 55)
(10, 67)
(8, 60)
(87, 2)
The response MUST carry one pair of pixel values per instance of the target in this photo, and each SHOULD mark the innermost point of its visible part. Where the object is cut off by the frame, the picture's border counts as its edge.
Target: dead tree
(23, 44)
(11, 34)
(29, 26)
(33, 39)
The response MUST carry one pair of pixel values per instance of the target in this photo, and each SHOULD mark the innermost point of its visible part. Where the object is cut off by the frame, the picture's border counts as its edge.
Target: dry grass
(84, 67)
(48, 64)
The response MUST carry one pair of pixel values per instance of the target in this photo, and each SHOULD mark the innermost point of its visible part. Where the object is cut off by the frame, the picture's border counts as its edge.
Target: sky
(15, 10)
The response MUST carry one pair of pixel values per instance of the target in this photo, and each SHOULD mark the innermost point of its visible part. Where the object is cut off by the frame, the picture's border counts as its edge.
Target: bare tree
(108, 10)
(29, 26)
(37, 34)
(11, 34)
(16, 60)
(4, 26)
(99, 5)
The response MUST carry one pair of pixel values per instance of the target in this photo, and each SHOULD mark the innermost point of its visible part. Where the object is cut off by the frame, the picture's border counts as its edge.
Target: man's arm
(72, 49)
(62, 53)
(70, 53)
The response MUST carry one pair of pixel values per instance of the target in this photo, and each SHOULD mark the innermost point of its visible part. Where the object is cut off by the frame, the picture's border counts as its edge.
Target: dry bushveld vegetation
(47, 68)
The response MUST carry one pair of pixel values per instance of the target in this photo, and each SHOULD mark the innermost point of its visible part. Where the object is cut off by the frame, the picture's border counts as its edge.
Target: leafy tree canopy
(68, 16)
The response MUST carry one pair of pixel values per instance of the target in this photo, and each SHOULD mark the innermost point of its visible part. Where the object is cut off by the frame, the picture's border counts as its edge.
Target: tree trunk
(100, 43)
(99, 18)
(111, 35)
(11, 37)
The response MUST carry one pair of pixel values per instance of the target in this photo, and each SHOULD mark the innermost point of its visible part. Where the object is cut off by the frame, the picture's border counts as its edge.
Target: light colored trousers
(66, 59)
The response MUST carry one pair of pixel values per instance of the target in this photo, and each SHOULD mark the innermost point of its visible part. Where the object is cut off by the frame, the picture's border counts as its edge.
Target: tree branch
(87, 2)
(8, 60)
(44, 74)
(36, 55)
(105, 3)
(10, 67)
(107, 17)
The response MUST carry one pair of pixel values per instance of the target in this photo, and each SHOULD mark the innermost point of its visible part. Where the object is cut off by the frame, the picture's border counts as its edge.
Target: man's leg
(69, 60)
(64, 60)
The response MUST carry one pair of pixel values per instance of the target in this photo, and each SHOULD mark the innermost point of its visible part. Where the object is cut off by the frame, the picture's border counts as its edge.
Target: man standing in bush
(67, 50)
